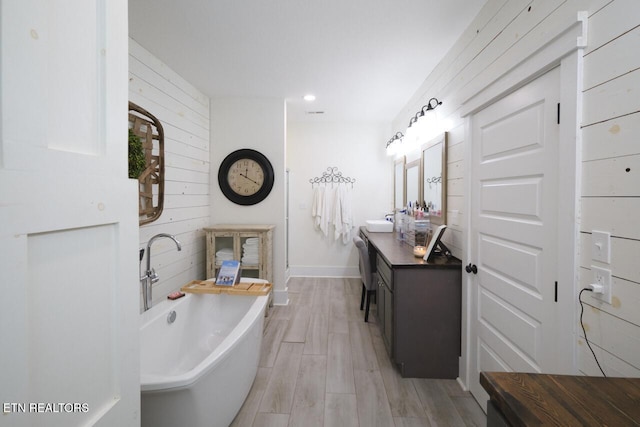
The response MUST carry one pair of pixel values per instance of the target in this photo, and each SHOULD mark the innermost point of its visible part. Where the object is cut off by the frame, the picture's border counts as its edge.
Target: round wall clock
(246, 177)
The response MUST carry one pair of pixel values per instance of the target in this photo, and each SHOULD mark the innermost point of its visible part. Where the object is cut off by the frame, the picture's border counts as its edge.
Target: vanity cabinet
(419, 307)
(385, 301)
(230, 239)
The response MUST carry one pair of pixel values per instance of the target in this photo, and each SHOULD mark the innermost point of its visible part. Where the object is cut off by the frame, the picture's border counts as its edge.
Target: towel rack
(331, 176)
(434, 180)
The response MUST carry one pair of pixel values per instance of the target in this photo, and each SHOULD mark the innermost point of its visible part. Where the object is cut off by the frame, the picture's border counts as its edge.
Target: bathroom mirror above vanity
(434, 178)
(398, 184)
(424, 180)
(412, 179)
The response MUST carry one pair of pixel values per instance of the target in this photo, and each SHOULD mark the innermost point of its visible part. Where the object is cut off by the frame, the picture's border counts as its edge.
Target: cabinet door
(388, 319)
(380, 305)
(223, 248)
(250, 248)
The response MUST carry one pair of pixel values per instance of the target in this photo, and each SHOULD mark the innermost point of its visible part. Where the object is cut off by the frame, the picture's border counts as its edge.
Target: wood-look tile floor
(322, 365)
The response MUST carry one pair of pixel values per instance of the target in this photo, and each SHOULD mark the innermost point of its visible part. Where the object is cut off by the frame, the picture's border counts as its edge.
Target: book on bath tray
(229, 273)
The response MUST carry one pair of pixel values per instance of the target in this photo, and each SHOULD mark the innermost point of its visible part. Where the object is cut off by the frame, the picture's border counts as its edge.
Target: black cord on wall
(585, 332)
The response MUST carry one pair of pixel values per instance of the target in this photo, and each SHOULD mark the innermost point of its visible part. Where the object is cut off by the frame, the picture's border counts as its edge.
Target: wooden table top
(564, 400)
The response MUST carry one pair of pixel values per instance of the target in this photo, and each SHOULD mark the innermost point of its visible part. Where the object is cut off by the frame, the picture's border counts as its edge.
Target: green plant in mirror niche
(137, 162)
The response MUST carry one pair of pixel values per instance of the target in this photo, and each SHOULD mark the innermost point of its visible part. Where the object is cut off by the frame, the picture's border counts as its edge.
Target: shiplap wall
(184, 114)
(611, 145)
(611, 185)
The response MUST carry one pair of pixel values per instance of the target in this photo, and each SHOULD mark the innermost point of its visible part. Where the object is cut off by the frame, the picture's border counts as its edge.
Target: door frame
(566, 51)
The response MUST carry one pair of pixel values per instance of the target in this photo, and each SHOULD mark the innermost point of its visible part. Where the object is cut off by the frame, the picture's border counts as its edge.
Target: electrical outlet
(601, 246)
(602, 276)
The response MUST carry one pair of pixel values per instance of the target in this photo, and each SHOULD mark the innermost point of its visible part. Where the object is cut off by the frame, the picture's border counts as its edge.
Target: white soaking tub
(198, 369)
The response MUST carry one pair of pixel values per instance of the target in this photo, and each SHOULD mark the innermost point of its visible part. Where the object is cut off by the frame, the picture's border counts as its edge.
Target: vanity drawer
(384, 271)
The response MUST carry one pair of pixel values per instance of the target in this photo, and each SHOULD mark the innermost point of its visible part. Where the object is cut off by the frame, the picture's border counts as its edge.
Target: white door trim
(566, 51)
(495, 82)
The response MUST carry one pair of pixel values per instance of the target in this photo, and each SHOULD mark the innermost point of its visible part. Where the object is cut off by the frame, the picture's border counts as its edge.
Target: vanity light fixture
(431, 105)
(392, 144)
(422, 124)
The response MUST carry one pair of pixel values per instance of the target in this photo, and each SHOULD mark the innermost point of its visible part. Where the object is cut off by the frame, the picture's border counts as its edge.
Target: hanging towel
(336, 215)
(342, 214)
(317, 207)
(327, 210)
(346, 207)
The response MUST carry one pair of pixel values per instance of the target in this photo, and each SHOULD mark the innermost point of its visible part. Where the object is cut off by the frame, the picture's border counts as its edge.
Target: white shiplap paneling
(615, 98)
(184, 113)
(614, 138)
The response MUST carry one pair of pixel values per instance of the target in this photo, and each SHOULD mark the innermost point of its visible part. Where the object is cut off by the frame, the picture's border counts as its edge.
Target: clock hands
(241, 174)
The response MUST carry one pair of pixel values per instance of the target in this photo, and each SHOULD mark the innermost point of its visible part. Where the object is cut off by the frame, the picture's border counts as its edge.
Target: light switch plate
(601, 246)
(602, 276)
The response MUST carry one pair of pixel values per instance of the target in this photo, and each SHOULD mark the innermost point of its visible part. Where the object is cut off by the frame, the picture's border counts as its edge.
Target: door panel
(498, 143)
(515, 265)
(514, 215)
(69, 234)
(516, 328)
(518, 198)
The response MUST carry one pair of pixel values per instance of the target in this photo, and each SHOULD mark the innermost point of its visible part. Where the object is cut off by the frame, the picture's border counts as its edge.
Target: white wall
(610, 195)
(358, 151)
(259, 124)
(184, 113)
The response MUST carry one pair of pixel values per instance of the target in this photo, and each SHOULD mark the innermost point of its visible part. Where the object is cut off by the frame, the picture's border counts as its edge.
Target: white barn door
(68, 217)
(514, 232)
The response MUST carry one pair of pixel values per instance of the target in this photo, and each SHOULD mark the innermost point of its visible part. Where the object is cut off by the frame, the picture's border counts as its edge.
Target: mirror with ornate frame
(434, 178)
(149, 130)
(398, 184)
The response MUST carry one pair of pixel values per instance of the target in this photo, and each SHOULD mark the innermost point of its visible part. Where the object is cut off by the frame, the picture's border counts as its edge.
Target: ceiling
(363, 59)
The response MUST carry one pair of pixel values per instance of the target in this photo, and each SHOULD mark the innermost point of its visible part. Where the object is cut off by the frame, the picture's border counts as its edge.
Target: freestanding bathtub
(198, 369)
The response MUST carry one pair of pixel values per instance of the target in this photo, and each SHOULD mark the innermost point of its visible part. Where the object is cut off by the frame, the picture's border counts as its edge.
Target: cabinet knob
(471, 268)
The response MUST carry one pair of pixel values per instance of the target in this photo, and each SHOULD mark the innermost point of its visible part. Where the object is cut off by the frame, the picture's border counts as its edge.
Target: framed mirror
(398, 184)
(412, 181)
(146, 128)
(434, 178)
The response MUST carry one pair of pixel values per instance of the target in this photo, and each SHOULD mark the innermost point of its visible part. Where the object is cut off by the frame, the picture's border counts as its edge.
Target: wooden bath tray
(210, 287)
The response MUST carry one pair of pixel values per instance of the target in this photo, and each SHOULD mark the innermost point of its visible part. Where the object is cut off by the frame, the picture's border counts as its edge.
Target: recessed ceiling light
(309, 98)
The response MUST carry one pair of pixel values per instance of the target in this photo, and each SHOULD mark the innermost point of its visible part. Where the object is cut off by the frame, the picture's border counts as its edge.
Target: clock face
(246, 177)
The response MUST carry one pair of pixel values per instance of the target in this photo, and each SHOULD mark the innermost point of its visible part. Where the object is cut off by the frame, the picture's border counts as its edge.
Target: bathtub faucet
(150, 276)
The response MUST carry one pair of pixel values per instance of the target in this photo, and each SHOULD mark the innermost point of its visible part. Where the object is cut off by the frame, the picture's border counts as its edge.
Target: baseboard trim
(281, 296)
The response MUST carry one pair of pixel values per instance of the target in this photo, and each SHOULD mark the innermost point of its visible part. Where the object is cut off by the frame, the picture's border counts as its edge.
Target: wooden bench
(520, 399)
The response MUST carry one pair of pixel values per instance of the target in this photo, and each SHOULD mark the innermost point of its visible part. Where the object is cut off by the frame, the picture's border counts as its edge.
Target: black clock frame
(260, 159)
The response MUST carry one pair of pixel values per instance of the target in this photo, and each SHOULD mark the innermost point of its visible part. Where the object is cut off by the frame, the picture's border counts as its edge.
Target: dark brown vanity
(418, 307)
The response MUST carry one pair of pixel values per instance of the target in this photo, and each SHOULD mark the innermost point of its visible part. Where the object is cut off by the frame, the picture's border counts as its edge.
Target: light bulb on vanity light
(410, 140)
(393, 145)
(309, 97)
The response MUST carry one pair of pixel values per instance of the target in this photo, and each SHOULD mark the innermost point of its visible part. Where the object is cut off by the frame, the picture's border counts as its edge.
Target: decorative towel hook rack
(434, 180)
(331, 176)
